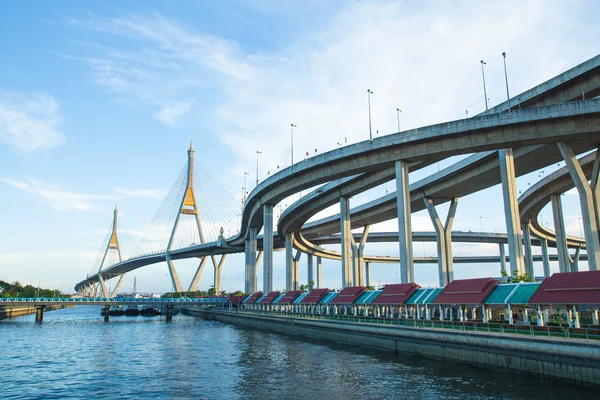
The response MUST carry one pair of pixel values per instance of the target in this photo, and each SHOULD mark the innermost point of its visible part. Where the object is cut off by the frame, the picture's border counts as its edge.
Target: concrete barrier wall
(12, 312)
(575, 361)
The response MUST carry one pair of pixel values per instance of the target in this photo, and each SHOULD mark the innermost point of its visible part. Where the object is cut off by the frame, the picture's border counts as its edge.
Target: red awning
(315, 296)
(396, 293)
(237, 299)
(569, 288)
(466, 291)
(268, 299)
(290, 296)
(349, 295)
(254, 297)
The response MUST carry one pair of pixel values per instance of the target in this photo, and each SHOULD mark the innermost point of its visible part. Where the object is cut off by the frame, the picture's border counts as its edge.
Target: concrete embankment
(17, 311)
(576, 361)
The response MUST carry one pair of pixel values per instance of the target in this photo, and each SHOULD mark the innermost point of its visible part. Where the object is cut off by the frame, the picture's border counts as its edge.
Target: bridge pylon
(112, 245)
(187, 207)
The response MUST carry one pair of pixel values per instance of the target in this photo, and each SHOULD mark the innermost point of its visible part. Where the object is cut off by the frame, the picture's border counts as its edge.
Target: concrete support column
(575, 260)
(358, 258)
(444, 240)
(289, 261)
(169, 313)
(309, 266)
(503, 267)
(247, 266)
(367, 273)
(106, 313)
(509, 314)
(346, 238)
(319, 273)
(528, 254)
(588, 209)
(561, 236)
(217, 272)
(511, 210)
(296, 271)
(545, 257)
(103, 290)
(594, 184)
(595, 317)
(196, 279)
(540, 316)
(252, 258)
(267, 248)
(39, 313)
(404, 222)
(116, 289)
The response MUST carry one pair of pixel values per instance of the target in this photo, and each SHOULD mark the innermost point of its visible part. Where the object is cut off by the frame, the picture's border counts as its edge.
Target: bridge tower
(112, 245)
(186, 207)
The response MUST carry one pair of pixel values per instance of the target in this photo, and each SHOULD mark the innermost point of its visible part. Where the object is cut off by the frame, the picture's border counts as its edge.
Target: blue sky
(99, 100)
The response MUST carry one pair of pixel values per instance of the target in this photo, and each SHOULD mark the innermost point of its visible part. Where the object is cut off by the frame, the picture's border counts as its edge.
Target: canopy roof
(424, 296)
(398, 293)
(290, 296)
(512, 293)
(367, 297)
(569, 288)
(252, 299)
(238, 299)
(268, 299)
(349, 295)
(315, 296)
(466, 291)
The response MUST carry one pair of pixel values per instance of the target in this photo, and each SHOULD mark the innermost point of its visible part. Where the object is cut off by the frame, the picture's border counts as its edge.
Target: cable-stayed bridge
(553, 122)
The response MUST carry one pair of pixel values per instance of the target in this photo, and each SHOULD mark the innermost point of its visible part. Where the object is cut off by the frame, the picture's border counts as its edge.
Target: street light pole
(293, 126)
(484, 90)
(244, 189)
(398, 111)
(257, 153)
(506, 78)
(369, 93)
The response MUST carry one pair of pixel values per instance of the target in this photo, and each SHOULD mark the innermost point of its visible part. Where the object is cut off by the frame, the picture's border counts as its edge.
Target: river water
(75, 354)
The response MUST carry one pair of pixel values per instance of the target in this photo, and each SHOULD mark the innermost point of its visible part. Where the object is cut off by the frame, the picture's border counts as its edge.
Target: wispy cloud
(67, 200)
(29, 122)
(169, 114)
(149, 193)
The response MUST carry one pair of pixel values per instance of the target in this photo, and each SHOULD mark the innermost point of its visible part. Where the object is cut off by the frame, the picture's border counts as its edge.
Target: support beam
(169, 315)
(116, 289)
(256, 264)
(404, 222)
(247, 264)
(103, 290)
(39, 313)
(367, 273)
(196, 279)
(444, 240)
(561, 236)
(575, 260)
(545, 257)
(310, 268)
(503, 268)
(217, 272)
(528, 253)
(106, 313)
(588, 209)
(594, 184)
(358, 257)
(319, 273)
(296, 271)
(289, 261)
(346, 238)
(511, 210)
(252, 248)
(268, 248)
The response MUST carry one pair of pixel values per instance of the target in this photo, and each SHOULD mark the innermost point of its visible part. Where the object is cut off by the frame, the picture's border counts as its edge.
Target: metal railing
(471, 326)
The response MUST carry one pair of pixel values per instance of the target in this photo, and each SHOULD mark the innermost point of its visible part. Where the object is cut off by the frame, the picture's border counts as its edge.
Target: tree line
(15, 289)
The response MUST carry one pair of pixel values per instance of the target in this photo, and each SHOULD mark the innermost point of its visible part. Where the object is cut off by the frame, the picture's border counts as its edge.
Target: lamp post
(484, 90)
(293, 126)
(506, 78)
(398, 111)
(257, 153)
(369, 93)
(244, 194)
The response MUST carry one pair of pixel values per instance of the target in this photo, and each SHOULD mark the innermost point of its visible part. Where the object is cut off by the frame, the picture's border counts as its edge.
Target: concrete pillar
(441, 312)
(404, 222)
(39, 313)
(575, 260)
(358, 258)
(509, 314)
(586, 199)
(545, 257)
(503, 267)
(289, 261)
(367, 273)
(528, 254)
(115, 291)
(525, 316)
(346, 238)
(169, 313)
(296, 271)
(594, 183)
(540, 316)
(444, 240)
(196, 279)
(595, 317)
(511, 210)
(561, 236)
(106, 313)
(309, 266)
(217, 272)
(247, 266)
(319, 273)
(252, 258)
(484, 313)
(267, 248)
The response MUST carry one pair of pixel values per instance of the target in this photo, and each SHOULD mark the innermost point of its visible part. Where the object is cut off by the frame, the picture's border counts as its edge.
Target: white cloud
(169, 114)
(29, 122)
(148, 193)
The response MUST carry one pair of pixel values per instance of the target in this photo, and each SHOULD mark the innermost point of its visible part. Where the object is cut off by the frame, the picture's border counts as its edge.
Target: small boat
(132, 311)
(149, 311)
